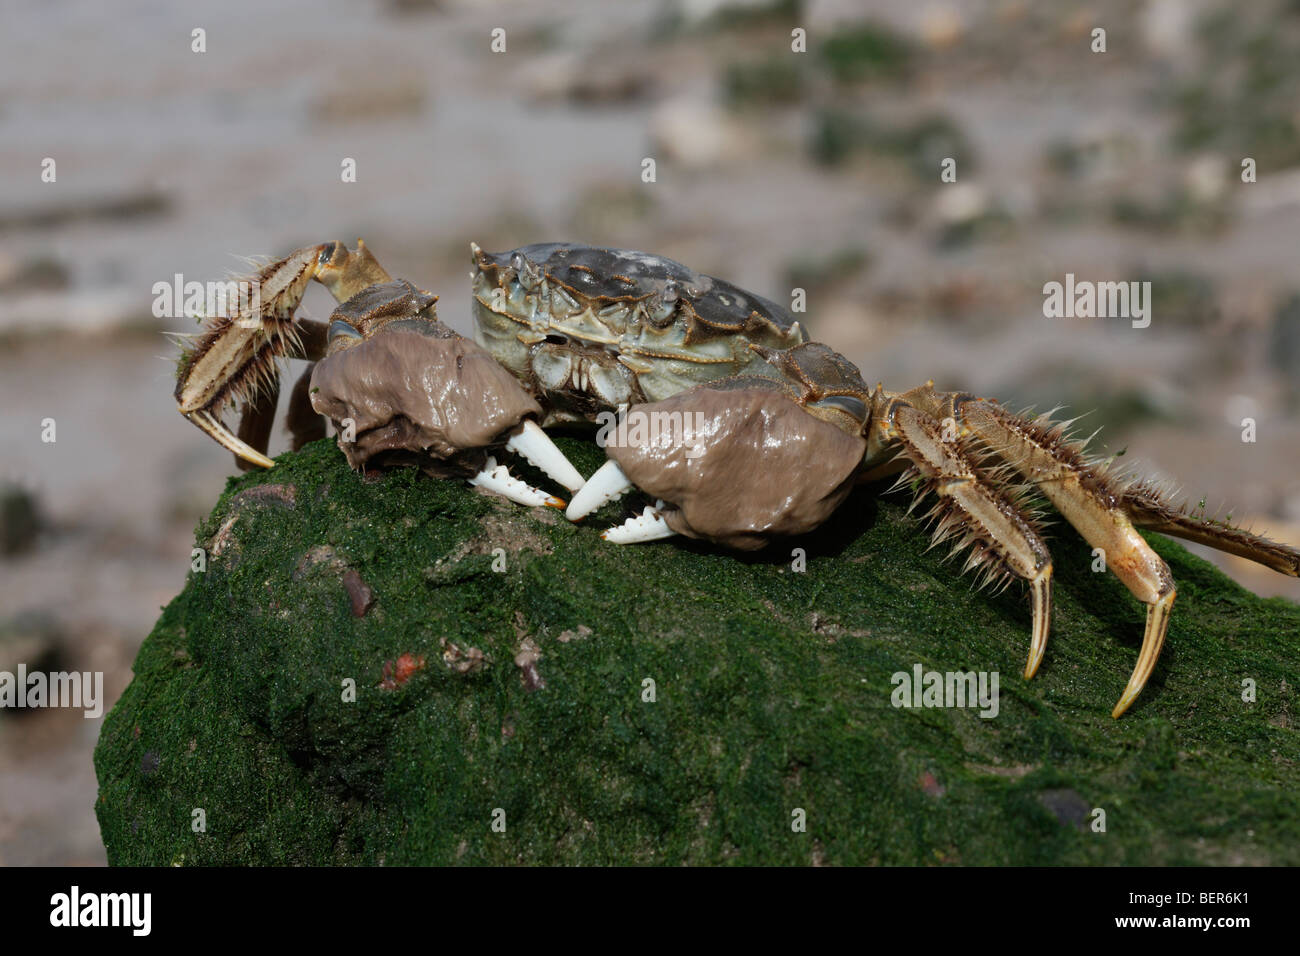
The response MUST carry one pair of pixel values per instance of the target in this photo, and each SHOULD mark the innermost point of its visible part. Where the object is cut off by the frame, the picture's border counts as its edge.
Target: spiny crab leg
(649, 525)
(214, 428)
(497, 478)
(235, 358)
(1083, 494)
(606, 484)
(1003, 541)
(529, 441)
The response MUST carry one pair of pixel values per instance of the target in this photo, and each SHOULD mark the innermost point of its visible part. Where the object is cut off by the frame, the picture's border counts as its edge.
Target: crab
(711, 401)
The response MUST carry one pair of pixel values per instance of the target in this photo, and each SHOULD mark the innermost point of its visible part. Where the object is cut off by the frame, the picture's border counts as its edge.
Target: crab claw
(416, 388)
(497, 478)
(748, 464)
(534, 444)
(608, 482)
(649, 525)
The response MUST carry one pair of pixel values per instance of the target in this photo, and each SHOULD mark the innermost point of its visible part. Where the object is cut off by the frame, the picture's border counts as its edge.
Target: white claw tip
(534, 444)
(649, 525)
(497, 478)
(609, 482)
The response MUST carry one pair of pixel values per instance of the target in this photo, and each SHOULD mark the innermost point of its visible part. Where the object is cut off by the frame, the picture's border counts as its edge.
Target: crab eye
(341, 329)
(526, 270)
(664, 304)
(845, 403)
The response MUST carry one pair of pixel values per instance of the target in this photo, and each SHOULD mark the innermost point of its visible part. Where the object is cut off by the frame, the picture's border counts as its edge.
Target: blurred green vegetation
(1244, 98)
(867, 52)
(920, 145)
(814, 272)
(778, 80)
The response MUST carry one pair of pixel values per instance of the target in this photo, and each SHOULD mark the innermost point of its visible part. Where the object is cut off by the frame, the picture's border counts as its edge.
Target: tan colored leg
(1084, 496)
(1149, 510)
(234, 360)
(256, 420)
(258, 417)
(1002, 539)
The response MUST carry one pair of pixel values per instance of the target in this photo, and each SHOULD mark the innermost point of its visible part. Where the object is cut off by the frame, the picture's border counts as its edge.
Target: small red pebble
(932, 786)
(396, 673)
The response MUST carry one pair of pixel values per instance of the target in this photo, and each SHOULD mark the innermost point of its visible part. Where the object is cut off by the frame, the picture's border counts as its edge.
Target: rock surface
(501, 660)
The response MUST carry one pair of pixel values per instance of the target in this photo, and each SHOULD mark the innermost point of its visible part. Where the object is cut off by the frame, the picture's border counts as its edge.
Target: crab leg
(1085, 498)
(1148, 510)
(259, 412)
(1076, 490)
(1002, 538)
(235, 358)
(304, 424)
(258, 419)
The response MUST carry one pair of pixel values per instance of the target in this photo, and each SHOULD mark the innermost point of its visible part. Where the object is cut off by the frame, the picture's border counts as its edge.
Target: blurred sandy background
(817, 170)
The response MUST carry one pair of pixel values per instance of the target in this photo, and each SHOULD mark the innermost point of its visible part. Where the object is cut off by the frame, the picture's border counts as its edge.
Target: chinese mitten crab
(712, 402)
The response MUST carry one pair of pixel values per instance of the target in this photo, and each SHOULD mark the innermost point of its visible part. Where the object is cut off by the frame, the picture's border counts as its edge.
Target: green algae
(772, 695)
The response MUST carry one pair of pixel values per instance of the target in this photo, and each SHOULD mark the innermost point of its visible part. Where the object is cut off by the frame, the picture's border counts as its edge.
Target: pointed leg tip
(1130, 694)
(1037, 651)
(1153, 640)
(1042, 600)
(216, 429)
(261, 461)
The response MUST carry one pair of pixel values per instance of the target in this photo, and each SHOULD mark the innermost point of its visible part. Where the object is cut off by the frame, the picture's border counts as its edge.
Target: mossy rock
(772, 694)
